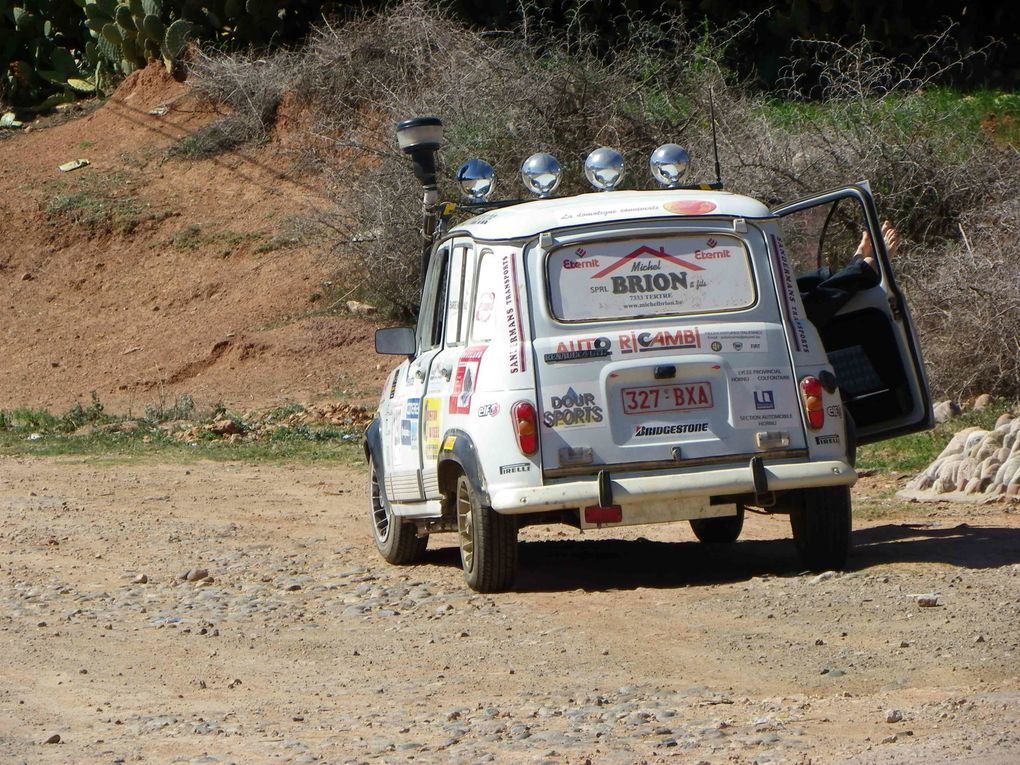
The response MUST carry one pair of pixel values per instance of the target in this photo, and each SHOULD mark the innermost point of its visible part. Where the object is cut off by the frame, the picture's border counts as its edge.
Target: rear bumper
(635, 488)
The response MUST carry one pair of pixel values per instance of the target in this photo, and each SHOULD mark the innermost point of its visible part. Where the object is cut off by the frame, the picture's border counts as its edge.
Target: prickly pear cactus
(174, 41)
(57, 49)
(130, 34)
(38, 39)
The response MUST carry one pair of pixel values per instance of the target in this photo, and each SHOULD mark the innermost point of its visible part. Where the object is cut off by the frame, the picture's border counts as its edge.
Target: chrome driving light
(604, 168)
(540, 174)
(477, 180)
(669, 163)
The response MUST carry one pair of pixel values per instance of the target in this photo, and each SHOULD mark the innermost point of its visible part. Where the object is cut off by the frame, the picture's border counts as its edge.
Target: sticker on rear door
(763, 397)
(735, 340)
(646, 431)
(575, 348)
(572, 409)
(668, 339)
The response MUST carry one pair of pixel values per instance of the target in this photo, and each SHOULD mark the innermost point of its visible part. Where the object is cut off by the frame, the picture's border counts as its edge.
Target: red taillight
(811, 397)
(525, 426)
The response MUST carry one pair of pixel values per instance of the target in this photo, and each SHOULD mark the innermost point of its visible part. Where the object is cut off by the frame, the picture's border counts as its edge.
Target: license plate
(678, 397)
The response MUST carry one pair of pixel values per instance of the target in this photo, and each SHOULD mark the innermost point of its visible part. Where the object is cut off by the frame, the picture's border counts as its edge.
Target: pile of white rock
(976, 462)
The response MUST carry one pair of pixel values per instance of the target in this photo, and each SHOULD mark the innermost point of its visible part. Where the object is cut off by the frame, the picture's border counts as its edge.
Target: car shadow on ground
(616, 564)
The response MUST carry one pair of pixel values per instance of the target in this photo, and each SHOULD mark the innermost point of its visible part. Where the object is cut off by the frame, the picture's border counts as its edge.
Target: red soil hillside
(142, 277)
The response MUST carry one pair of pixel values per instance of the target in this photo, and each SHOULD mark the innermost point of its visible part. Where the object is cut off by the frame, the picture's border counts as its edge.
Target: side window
(432, 318)
(487, 287)
(459, 293)
(438, 312)
(825, 236)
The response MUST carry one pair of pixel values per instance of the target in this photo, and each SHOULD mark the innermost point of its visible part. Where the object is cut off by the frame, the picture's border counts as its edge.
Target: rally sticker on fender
(432, 426)
(679, 397)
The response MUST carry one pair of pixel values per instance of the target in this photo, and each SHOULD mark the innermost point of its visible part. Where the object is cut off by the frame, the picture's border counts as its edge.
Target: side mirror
(395, 341)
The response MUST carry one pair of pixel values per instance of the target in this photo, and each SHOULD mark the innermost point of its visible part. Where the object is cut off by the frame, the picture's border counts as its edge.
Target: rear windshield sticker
(650, 277)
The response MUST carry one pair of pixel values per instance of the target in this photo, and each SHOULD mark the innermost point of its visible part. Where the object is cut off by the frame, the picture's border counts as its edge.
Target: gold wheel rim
(380, 513)
(465, 529)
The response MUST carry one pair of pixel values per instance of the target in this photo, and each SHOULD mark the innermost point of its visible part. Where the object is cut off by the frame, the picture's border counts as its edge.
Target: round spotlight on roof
(540, 174)
(604, 168)
(477, 180)
(669, 163)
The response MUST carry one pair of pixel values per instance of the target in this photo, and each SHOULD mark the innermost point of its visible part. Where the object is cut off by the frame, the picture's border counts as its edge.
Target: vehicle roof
(532, 218)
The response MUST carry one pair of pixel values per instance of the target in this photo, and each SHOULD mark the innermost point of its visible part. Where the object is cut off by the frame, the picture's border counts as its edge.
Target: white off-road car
(633, 357)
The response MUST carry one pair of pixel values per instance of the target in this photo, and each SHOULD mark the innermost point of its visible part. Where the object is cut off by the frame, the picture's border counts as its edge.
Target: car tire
(724, 530)
(821, 523)
(397, 540)
(488, 542)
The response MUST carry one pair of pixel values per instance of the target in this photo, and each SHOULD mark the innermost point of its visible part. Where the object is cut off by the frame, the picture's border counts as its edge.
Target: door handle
(419, 373)
(445, 372)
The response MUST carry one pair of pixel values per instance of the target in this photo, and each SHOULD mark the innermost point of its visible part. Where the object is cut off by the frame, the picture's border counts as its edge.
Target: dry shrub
(872, 119)
(501, 97)
(953, 194)
(965, 298)
(505, 96)
(249, 85)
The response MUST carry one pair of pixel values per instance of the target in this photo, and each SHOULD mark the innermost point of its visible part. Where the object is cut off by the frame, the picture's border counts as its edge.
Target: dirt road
(301, 645)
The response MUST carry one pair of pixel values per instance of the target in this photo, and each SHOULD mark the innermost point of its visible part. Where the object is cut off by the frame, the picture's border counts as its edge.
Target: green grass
(85, 430)
(96, 212)
(913, 453)
(98, 202)
(993, 112)
(192, 236)
(285, 449)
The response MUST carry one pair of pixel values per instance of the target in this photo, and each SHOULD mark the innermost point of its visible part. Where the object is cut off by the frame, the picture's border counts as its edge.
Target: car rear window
(656, 276)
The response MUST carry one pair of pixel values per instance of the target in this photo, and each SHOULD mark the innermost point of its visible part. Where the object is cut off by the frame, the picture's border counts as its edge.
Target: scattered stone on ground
(946, 410)
(619, 646)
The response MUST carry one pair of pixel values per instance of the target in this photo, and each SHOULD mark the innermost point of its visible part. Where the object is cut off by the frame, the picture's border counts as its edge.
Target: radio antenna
(715, 143)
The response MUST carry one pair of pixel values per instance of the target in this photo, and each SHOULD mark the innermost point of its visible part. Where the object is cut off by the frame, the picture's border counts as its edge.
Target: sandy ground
(208, 294)
(638, 645)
